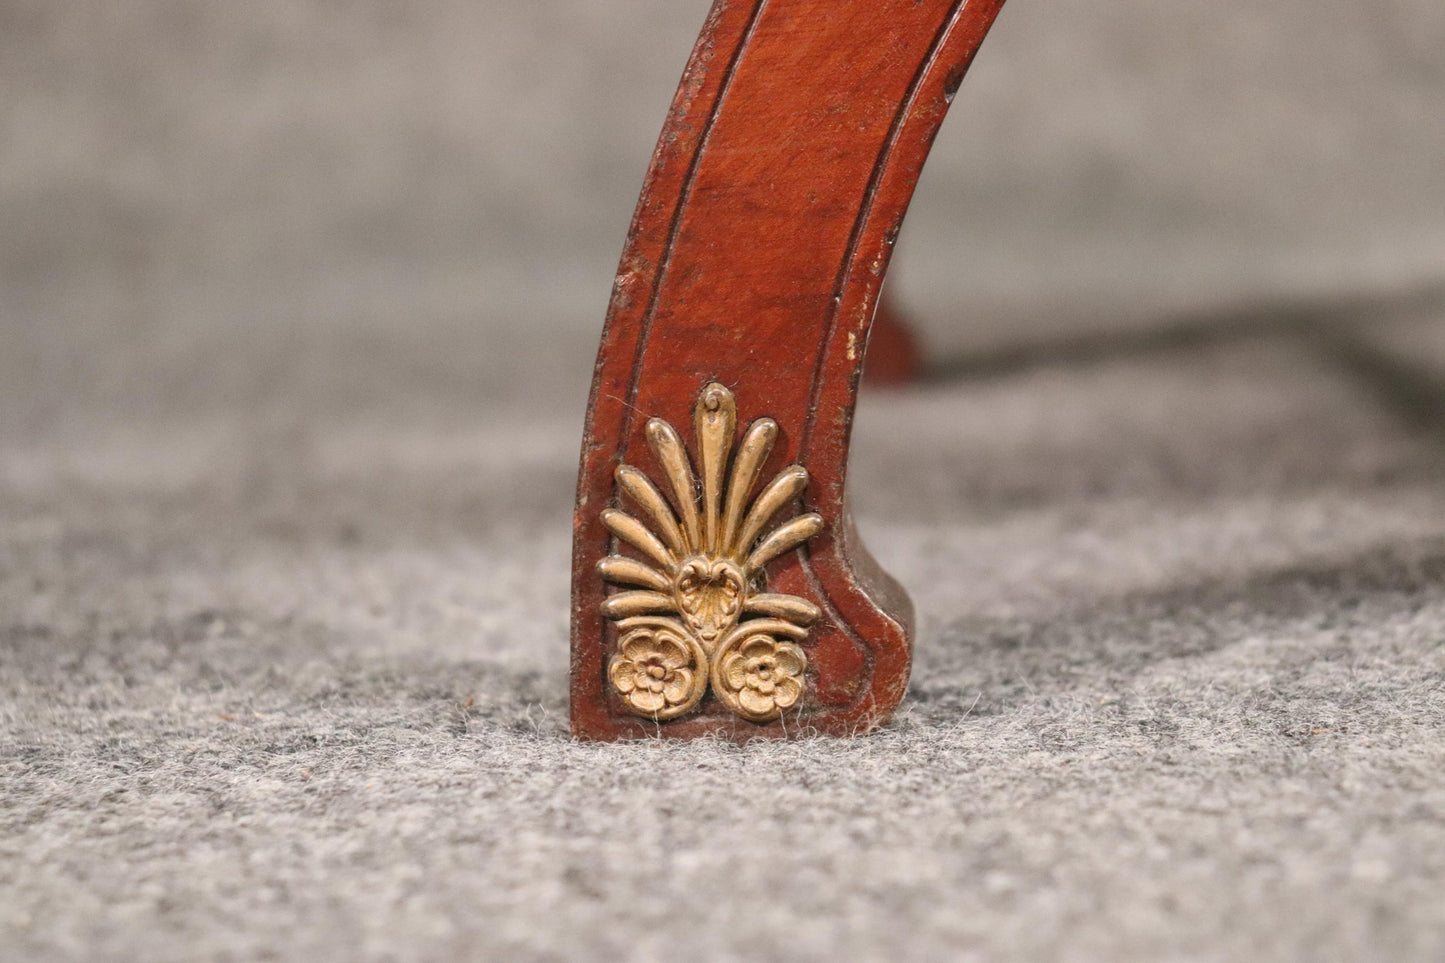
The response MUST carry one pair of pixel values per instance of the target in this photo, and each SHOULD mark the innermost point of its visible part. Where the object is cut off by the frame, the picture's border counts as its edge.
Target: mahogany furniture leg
(718, 586)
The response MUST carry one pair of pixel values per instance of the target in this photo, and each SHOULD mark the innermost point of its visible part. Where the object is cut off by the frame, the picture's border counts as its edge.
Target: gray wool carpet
(287, 681)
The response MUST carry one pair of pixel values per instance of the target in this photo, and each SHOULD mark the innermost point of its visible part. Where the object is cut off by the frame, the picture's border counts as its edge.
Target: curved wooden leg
(718, 584)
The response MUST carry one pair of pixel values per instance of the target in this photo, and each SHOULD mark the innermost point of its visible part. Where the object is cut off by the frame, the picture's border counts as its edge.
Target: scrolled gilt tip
(714, 397)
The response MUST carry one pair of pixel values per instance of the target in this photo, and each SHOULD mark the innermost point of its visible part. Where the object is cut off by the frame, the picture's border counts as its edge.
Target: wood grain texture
(755, 259)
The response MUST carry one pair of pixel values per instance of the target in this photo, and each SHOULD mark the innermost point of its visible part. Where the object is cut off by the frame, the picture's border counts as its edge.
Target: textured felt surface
(288, 681)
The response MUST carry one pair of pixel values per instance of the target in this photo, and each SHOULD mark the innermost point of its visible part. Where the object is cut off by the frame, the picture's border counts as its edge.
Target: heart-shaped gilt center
(709, 595)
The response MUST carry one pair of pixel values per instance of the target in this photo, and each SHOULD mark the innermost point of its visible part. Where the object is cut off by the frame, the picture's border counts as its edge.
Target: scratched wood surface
(755, 259)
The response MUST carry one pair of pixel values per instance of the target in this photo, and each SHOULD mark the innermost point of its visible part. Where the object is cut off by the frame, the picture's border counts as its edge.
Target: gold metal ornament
(696, 611)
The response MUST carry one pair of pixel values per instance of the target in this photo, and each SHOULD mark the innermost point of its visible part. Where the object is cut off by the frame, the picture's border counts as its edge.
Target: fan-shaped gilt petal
(788, 607)
(754, 702)
(634, 533)
(627, 604)
(678, 685)
(759, 646)
(667, 446)
(784, 538)
(756, 445)
(628, 571)
(641, 490)
(638, 646)
(673, 653)
(788, 485)
(647, 701)
(734, 672)
(622, 672)
(715, 419)
(791, 659)
(787, 693)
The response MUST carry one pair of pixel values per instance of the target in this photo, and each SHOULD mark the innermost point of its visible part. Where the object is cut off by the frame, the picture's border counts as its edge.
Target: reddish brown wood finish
(755, 259)
(893, 357)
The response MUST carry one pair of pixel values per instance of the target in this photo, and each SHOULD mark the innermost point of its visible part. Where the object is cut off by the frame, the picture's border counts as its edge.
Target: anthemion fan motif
(696, 611)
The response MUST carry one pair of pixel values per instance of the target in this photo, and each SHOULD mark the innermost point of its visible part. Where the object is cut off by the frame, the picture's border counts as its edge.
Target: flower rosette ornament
(757, 671)
(659, 670)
